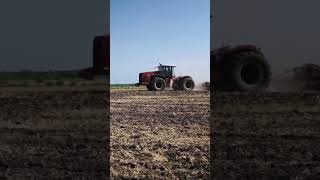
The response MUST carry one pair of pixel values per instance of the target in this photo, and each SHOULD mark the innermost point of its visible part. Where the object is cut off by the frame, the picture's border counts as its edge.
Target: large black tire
(149, 87)
(157, 84)
(187, 84)
(249, 72)
(246, 72)
(176, 86)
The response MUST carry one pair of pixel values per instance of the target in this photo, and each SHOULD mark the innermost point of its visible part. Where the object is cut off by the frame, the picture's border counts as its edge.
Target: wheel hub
(158, 84)
(251, 73)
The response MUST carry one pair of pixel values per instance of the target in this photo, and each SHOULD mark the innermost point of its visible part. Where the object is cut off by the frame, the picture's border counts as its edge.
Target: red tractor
(165, 78)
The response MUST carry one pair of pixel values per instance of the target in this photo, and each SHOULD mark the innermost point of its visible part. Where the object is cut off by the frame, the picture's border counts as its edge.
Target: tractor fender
(234, 50)
(182, 77)
(154, 76)
(242, 48)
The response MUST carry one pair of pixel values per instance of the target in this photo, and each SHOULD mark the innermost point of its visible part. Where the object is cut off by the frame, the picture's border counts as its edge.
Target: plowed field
(157, 135)
(53, 135)
(266, 136)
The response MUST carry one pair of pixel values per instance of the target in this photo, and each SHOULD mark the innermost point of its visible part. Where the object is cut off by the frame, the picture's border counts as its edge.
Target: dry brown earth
(156, 135)
(266, 136)
(53, 135)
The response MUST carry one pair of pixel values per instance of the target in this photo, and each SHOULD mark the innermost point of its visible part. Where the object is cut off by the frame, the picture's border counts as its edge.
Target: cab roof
(167, 65)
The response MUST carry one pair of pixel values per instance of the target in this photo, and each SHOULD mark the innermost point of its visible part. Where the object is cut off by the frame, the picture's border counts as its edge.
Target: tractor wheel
(149, 87)
(252, 72)
(187, 84)
(175, 85)
(247, 72)
(158, 84)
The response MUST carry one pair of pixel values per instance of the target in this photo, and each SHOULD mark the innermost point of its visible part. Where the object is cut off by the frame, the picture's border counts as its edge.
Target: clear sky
(146, 32)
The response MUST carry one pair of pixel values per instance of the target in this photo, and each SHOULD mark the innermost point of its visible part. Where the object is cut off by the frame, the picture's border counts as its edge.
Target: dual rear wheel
(183, 84)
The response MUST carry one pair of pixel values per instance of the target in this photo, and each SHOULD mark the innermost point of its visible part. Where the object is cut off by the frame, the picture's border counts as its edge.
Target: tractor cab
(166, 71)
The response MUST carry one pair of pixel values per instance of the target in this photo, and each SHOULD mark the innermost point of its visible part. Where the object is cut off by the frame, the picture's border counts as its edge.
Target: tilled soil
(266, 136)
(53, 135)
(160, 135)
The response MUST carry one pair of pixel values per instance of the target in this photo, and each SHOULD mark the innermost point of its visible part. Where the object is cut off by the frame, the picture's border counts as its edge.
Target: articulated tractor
(165, 78)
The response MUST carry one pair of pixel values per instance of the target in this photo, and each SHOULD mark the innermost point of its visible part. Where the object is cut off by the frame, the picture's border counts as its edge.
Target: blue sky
(146, 32)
